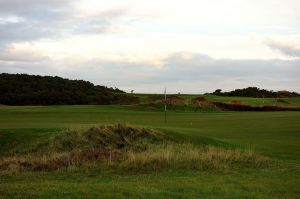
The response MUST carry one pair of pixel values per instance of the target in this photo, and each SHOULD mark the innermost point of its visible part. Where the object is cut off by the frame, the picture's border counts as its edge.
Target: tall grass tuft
(187, 156)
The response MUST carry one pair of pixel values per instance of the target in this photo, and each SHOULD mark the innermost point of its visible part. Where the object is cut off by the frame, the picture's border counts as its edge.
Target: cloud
(32, 20)
(37, 19)
(20, 7)
(226, 73)
(104, 21)
(12, 54)
(82, 39)
(180, 72)
(287, 49)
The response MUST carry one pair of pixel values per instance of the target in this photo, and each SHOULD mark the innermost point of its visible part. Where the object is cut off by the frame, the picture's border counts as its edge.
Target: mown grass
(274, 134)
(94, 184)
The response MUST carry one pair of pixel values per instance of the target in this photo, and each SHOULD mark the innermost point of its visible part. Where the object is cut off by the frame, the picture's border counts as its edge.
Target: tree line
(24, 89)
(256, 92)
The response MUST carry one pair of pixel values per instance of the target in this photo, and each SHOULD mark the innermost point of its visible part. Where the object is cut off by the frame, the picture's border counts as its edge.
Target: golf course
(271, 137)
(139, 99)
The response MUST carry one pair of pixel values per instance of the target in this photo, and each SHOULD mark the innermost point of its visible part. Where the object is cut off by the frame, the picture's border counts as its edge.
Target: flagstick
(165, 105)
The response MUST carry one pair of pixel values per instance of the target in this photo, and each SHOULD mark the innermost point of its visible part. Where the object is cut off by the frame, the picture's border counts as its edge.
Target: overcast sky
(188, 46)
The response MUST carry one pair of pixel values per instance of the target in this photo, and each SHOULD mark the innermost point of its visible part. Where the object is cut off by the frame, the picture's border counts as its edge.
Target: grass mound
(119, 136)
(126, 148)
(198, 99)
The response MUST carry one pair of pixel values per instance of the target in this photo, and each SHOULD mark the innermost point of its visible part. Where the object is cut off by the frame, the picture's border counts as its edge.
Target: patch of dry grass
(188, 156)
(56, 161)
(122, 147)
(119, 136)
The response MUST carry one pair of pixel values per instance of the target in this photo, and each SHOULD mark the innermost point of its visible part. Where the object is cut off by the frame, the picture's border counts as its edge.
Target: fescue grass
(190, 157)
(158, 158)
(122, 148)
(115, 136)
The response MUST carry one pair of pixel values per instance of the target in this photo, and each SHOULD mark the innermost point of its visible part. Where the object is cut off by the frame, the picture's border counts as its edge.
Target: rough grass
(126, 148)
(243, 107)
(189, 157)
(207, 103)
(119, 136)
(156, 158)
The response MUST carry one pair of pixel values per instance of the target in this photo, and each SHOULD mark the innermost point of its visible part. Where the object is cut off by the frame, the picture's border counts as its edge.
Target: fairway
(273, 134)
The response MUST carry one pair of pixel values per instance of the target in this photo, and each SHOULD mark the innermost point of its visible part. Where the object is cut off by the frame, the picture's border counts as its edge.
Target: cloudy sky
(188, 46)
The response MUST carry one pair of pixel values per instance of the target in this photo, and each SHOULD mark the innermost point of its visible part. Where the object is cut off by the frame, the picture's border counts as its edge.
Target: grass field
(272, 134)
(289, 102)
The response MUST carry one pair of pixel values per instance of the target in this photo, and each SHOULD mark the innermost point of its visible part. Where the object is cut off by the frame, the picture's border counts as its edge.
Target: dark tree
(22, 89)
(217, 92)
(255, 92)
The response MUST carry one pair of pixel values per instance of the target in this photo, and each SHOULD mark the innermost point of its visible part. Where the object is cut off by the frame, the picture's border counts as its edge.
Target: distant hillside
(255, 92)
(23, 89)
